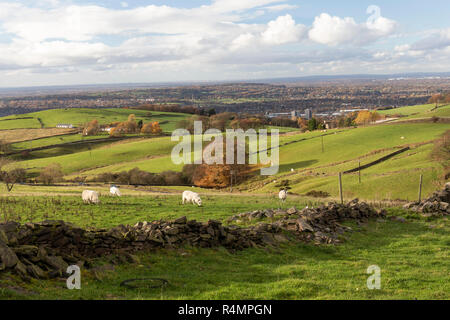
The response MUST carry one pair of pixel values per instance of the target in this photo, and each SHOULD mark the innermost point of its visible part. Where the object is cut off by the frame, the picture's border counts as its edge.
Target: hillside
(418, 112)
(80, 116)
(302, 163)
(297, 270)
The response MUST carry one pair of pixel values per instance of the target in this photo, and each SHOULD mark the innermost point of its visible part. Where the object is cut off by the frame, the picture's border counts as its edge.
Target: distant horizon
(292, 79)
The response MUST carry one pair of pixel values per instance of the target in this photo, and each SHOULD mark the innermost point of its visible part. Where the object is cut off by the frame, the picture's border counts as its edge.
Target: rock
(26, 250)
(181, 220)
(56, 263)
(303, 225)
(36, 272)
(438, 203)
(3, 237)
(292, 210)
(9, 227)
(21, 270)
(7, 256)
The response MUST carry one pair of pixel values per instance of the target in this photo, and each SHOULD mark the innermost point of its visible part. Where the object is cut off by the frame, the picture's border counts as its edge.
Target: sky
(68, 42)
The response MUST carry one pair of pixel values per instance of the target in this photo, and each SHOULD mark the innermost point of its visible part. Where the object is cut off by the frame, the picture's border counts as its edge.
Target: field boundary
(382, 159)
(109, 139)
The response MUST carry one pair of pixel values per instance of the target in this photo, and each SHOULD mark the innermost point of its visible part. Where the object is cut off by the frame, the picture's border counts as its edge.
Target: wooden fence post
(359, 171)
(420, 187)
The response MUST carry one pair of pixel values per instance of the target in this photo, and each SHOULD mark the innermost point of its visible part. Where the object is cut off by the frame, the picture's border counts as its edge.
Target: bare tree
(11, 175)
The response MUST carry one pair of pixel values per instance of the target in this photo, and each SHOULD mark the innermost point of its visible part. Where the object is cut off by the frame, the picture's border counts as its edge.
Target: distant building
(279, 115)
(330, 124)
(295, 115)
(64, 126)
(308, 114)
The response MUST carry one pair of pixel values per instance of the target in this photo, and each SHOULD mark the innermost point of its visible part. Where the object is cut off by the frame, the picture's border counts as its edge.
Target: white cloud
(219, 40)
(283, 30)
(332, 30)
(281, 7)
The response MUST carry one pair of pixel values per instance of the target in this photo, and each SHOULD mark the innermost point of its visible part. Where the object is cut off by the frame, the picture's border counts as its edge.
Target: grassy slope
(131, 208)
(111, 154)
(419, 111)
(354, 143)
(21, 135)
(19, 124)
(79, 116)
(396, 178)
(53, 140)
(403, 251)
(346, 145)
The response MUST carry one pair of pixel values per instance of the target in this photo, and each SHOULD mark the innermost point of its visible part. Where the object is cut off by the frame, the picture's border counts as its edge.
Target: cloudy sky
(50, 42)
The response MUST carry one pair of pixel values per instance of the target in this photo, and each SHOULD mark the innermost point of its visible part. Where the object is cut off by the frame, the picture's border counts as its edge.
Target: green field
(313, 169)
(80, 116)
(413, 256)
(111, 154)
(419, 111)
(396, 178)
(292, 271)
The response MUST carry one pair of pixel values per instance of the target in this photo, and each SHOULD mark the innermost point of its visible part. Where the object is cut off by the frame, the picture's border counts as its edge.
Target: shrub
(51, 174)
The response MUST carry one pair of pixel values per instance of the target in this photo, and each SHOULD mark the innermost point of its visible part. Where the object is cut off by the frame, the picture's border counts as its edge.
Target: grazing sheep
(189, 196)
(282, 195)
(90, 196)
(114, 191)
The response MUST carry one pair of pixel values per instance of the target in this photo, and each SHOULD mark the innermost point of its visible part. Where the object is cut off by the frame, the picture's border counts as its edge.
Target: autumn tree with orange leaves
(218, 175)
(365, 117)
(151, 128)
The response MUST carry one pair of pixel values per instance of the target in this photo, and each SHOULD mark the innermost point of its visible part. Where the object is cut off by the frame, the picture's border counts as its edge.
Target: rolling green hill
(396, 178)
(419, 111)
(302, 161)
(80, 116)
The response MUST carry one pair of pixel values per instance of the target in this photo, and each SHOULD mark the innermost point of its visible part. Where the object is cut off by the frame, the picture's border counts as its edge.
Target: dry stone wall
(46, 249)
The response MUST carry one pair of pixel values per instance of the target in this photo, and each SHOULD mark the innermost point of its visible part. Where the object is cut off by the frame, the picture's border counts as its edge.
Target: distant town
(327, 99)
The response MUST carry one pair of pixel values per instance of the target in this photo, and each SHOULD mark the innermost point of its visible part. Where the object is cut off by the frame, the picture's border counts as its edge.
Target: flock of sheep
(92, 197)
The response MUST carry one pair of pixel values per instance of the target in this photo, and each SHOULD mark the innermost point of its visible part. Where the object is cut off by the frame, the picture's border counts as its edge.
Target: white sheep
(282, 195)
(90, 196)
(114, 191)
(194, 198)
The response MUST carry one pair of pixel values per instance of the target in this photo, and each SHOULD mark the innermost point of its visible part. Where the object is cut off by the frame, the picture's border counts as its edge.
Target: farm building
(64, 126)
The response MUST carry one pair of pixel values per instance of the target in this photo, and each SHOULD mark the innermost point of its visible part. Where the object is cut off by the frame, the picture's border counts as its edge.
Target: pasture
(133, 207)
(80, 116)
(290, 271)
(419, 111)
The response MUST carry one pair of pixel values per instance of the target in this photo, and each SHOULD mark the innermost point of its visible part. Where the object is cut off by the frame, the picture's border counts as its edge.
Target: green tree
(312, 124)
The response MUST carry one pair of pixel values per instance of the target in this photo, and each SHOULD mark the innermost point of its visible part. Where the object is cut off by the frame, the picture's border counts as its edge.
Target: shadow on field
(296, 165)
(293, 270)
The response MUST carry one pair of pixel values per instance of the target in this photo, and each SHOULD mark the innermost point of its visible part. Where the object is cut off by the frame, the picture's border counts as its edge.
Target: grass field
(413, 256)
(313, 169)
(20, 135)
(131, 208)
(419, 111)
(396, 178)
(293, 271)
(114, 153)
(80, 116)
